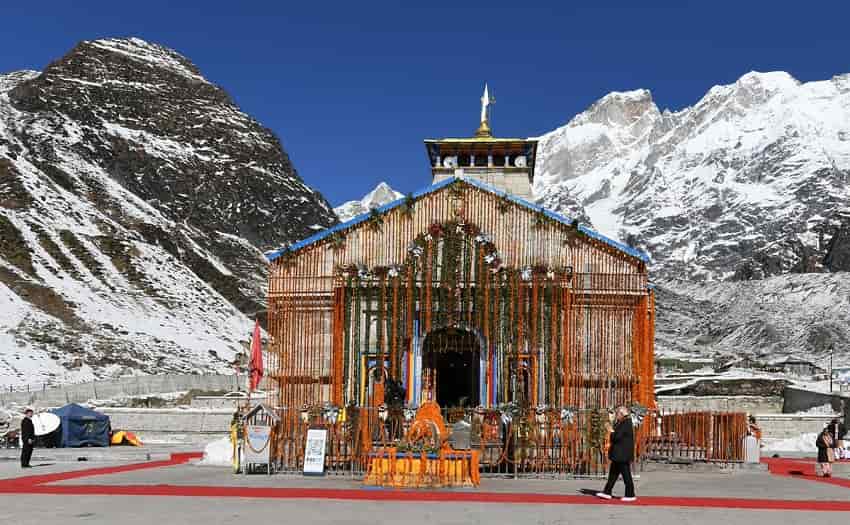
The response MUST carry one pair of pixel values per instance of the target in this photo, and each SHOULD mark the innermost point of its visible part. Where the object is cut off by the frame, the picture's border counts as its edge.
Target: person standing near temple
(837, 431)
(826, 455)
(27, 438)
(621, 453)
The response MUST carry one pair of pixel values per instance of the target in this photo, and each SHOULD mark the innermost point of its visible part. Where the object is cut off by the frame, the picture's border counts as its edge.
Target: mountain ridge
(137, 201)
(382, 194)
(687, 185)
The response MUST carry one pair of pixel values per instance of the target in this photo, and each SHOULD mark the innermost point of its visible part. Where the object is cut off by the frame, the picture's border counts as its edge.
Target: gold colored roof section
(479, 139)
(483, 131)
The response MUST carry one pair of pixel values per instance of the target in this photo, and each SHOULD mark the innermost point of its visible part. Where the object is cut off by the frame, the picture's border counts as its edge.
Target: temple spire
(486, 101)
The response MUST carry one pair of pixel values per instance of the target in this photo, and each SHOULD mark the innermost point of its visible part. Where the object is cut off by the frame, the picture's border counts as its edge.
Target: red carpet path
(802, 468)
(41, 485)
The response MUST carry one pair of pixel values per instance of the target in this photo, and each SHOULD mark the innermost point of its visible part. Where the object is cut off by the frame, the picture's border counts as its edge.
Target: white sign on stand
(314, 452)
(257, 450)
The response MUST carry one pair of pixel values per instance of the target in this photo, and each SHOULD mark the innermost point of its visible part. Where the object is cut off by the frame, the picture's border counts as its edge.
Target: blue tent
(82, 427)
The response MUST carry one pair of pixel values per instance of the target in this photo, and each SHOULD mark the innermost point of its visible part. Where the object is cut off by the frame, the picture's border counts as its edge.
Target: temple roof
(634, 252)
(480, 139)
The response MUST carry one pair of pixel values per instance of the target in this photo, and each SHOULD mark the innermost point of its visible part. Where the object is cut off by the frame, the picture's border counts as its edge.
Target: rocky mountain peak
(768, 82)
(382, 194)
(742, 200)
(140, 198)
(11, 80)
(749, 182)
(153, 55)
(620, 108)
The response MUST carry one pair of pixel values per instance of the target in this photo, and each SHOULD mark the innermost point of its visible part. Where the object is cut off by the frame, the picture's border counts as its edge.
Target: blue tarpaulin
(82, 427)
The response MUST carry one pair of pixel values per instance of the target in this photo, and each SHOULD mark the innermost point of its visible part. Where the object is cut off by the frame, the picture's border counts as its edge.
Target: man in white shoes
(621, 453)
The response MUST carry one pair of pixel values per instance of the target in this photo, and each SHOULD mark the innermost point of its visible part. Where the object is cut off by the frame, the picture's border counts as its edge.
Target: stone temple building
(464, 292)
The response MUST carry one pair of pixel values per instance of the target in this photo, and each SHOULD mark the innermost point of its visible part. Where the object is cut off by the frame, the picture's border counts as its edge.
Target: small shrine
(424, 458)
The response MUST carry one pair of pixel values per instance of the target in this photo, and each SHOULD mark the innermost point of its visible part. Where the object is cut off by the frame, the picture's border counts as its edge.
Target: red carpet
(803, 468)
(419, 496)
(40, 484)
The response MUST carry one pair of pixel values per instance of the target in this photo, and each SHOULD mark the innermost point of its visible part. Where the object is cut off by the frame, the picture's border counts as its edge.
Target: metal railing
(521, 443)
(696, 436)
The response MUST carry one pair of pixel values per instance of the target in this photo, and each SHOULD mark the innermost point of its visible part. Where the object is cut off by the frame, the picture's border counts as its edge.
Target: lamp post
(239, 363)
(831, 354)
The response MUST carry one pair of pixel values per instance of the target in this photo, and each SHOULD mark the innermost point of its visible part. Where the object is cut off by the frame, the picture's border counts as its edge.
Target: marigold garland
(376, 220)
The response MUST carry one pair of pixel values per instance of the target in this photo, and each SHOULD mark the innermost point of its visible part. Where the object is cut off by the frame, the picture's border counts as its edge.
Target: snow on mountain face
(135, 202)
(382, 194)
(751, 181)
(792, 315)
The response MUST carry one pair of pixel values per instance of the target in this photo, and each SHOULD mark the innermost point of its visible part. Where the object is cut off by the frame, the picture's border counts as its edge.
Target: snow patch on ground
(218, 453)
(802, 443)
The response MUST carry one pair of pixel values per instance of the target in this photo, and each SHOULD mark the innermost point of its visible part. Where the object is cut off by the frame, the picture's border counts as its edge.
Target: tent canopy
(83, 427)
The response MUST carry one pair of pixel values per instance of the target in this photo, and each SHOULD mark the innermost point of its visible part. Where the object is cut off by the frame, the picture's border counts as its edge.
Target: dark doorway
(457, 379)
(453, 355)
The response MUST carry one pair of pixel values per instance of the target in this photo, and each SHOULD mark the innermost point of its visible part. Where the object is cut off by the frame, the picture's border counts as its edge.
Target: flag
(256, 359)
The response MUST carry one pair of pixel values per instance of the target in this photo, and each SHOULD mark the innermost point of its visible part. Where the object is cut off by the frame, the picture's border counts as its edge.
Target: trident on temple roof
(486, 102)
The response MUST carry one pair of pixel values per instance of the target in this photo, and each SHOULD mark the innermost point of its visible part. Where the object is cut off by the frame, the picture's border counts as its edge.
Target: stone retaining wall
(132, 386)
(177, 421)
(748, 404)
(784, 426)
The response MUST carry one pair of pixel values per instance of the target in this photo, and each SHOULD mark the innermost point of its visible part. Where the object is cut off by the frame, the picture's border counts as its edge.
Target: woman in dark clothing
(621, 453)
(824, 444)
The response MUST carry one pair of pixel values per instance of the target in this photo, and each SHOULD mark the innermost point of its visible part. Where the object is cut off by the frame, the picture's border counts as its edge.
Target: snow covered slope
(382, 194)
(742, 200)
(750, 181)
(135, 203)
(792, 315)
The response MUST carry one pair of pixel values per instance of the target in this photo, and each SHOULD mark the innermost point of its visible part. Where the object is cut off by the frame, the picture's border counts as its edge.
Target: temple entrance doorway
(452, 357)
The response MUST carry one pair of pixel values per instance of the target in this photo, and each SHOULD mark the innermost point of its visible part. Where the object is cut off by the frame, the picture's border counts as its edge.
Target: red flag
(256, 358)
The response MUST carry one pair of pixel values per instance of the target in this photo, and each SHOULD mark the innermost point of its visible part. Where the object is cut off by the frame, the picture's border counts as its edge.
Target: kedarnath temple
(502, 327)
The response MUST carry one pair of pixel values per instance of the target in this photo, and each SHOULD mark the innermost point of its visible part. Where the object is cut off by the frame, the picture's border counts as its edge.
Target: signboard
(257, 440)
(314, 452)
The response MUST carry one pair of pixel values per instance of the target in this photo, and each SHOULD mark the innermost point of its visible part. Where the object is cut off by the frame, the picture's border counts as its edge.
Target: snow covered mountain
(382, 194)
(136, 200)
(792, 315)
(749, 182)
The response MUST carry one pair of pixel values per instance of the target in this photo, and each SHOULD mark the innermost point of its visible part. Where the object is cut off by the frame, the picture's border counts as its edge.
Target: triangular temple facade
(559, 315)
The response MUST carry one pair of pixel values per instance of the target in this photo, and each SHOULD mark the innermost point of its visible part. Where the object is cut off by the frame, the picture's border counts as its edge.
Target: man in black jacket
(27, 438)
(621, 453)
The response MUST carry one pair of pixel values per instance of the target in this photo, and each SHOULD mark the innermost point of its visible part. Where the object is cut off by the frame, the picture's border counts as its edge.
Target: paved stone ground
(143, 510)
(12, 469)
(720, 485)
(48, 509)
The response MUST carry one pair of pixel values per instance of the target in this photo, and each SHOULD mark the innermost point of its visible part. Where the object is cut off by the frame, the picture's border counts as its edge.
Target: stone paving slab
(10, 469)
(711, 485)
(147, 452)
(144, 510)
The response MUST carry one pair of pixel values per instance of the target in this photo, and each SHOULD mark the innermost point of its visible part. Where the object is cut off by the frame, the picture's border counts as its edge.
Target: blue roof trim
(271, 256)
(363, 217)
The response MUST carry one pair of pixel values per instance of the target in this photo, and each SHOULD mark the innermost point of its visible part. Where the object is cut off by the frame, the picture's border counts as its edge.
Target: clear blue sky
(352, 88)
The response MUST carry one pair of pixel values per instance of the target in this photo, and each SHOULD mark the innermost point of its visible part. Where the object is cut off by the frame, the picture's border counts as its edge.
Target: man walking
(621, 453)
(27, 438)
